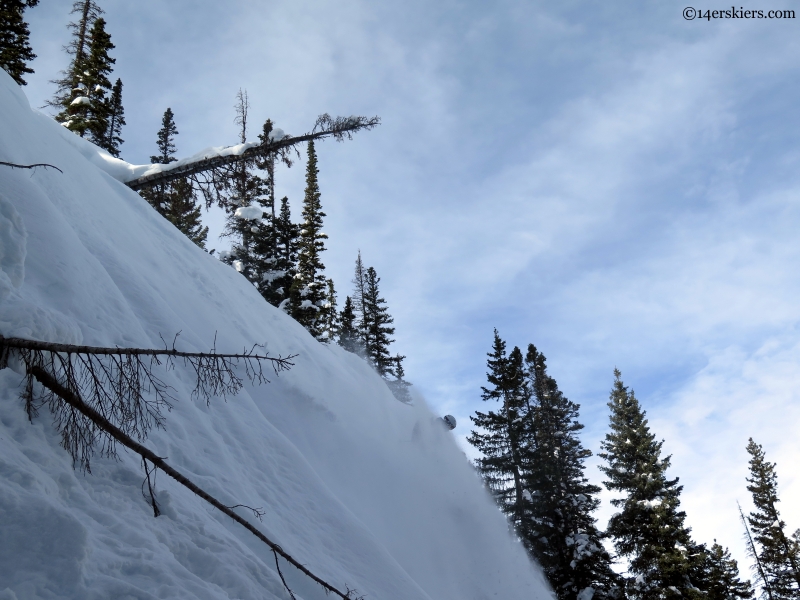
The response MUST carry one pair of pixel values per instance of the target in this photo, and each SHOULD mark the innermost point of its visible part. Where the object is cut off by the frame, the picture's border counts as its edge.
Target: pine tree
(249, 190)
(560, 530)
(377, 323)
(278, 275)
(157, 195)
(719, 576)
(330, 315)
(165, 140)
(116, 119)
(183, 211)
(309, 287)
(500, 435)
(349, 338)
(649, 530)
(71, 85)
(399, 385)
(359, 293)
(175, 201)
(15, 49)
(265, 234)
(88, 110)
(778, 555)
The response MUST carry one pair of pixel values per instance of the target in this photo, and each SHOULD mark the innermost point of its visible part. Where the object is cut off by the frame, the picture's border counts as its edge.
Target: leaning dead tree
(212, 176)
(120, 384)
(101, 397)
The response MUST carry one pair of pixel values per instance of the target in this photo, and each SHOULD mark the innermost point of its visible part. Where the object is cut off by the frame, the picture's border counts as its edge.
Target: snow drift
(367, 492)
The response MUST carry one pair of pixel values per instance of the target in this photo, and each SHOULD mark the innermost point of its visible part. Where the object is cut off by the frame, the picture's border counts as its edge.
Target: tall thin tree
(560, 530)
(778, 554)
(649, 530)
(308, 293)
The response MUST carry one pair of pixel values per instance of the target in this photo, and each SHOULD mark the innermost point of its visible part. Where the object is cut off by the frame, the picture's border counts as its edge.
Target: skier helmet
(449, 421)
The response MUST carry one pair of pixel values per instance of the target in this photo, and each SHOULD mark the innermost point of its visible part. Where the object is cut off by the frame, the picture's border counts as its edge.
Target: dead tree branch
(212, 176)
(16, 166)
(120, 384)
(74, 401)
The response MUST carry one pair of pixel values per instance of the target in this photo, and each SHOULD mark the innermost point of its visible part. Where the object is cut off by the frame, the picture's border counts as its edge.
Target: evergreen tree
(88, 110)
(359, 293)
(399, 385)
(719, 576)
(15, 51)
(116, 119)
(175, 201)
(649, 530)
(560, 530)
(308, 292)
(249, 192)
(500, 436)
(349, 338)
(778, 555)
(330, 315)
(157, 195)
(71, 85)
(183, 211)
(377, 323)
(165, 140)
(279, 274)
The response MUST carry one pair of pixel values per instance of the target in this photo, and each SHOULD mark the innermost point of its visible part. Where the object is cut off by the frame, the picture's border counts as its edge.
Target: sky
(608, 181)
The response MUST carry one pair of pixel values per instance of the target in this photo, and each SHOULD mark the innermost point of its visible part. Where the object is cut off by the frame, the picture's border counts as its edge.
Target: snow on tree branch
(211, 170)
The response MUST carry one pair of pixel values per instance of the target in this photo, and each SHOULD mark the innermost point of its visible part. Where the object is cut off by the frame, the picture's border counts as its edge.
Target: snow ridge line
(72, 399)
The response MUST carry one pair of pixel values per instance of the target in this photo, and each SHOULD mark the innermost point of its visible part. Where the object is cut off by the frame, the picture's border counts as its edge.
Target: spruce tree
(15, 49)
(71, 85)
(165, 140)
(175, 201)
(310, 285)
(116, 119)
(777, 554)
(349, 338)
(278, 275)
(183, 211)
(560, 530)
(157, 195)
(87, 113)
(500, 436)
(329, 314)
(720, 576)
(399, 385)
(269, 277)
(252, 236)
(649, 530)
(359, 293)
(377, 323)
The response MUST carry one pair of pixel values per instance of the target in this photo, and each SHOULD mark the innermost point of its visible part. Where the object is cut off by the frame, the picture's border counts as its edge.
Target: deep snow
(367, 492)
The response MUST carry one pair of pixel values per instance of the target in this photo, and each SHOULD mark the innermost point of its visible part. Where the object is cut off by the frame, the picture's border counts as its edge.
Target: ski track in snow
(324, 449)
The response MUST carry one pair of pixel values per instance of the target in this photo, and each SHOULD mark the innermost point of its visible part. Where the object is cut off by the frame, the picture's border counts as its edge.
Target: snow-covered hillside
(347, 485)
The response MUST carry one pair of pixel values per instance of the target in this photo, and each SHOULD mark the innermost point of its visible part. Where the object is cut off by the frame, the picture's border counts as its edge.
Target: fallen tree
(212, 174)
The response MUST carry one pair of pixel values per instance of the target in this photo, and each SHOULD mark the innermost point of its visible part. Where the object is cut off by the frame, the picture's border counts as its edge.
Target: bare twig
(16, 166)
(283, 580)
(74, 401)
(257, 512)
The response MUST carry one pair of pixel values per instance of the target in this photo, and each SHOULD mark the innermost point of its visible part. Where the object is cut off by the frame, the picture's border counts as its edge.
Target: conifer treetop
(15, 49)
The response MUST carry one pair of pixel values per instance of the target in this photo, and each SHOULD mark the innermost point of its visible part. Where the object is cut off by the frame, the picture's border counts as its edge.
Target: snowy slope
(325, 449)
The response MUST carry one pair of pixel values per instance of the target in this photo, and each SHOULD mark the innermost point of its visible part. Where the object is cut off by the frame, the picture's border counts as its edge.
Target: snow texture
(325, 449)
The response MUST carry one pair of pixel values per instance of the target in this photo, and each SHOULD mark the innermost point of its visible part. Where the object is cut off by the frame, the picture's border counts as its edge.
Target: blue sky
(611, 182)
